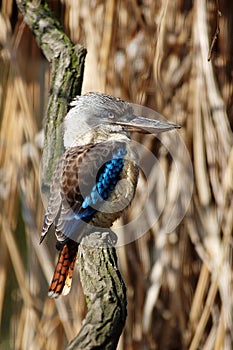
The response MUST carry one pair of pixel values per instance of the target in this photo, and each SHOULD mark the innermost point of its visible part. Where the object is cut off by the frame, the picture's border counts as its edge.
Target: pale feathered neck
(83, 136)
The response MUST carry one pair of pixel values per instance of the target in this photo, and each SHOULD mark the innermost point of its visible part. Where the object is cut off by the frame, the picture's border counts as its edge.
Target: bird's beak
(145, 125)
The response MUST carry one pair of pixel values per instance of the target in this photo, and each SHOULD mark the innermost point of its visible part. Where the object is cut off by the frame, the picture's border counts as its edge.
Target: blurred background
(154, 53)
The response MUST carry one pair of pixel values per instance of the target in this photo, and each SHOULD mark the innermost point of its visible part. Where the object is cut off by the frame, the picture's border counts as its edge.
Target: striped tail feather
(62, 278)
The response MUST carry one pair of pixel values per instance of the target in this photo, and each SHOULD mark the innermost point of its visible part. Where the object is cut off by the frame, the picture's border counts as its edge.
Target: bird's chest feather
(121, 196)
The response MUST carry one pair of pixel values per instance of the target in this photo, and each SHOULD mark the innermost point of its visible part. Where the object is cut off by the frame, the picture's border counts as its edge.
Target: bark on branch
(104, 291)
(67, 67)
(102, 284)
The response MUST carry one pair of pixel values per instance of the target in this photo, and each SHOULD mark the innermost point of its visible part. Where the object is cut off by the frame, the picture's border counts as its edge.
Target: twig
(217, 31)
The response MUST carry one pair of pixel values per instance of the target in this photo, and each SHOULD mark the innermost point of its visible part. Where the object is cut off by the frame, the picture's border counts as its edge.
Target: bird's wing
(94, 175)
(87, 177)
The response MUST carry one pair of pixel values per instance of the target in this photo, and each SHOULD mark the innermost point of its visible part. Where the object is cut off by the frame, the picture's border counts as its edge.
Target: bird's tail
(62, 278)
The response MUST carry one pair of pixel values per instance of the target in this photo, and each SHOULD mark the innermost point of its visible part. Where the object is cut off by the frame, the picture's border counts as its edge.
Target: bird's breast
(122, 194)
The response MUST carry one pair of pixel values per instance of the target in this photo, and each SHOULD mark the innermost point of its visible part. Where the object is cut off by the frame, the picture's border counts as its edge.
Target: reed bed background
(154, 53)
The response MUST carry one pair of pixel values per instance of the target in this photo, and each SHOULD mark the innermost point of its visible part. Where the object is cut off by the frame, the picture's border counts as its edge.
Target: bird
(95, 180)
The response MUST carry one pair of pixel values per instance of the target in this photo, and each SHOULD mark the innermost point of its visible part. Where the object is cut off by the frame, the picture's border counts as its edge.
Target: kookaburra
(96, 178)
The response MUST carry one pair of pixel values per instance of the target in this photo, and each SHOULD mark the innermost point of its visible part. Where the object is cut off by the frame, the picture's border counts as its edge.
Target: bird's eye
(111, 116)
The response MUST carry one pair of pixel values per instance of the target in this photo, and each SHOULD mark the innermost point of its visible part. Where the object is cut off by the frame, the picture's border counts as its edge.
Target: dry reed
(179, 285)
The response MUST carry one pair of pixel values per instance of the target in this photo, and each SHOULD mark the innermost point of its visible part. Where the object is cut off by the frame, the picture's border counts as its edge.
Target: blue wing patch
(106, 181)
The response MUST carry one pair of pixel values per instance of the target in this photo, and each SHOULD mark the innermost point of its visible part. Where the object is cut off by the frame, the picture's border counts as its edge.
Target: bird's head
(96, 117)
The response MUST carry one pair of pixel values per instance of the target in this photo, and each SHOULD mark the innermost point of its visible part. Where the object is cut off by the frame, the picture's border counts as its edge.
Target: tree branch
(104, 291)
(102, 283)
(67, 67)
